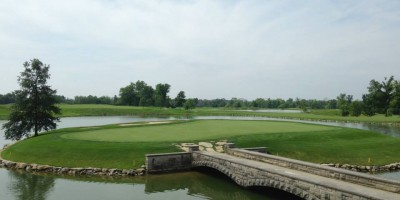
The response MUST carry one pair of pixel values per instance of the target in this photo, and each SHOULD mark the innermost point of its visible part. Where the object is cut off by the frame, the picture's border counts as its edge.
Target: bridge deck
(319, 180)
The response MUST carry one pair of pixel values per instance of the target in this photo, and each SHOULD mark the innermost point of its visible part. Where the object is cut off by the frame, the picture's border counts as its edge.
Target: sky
(207, 48)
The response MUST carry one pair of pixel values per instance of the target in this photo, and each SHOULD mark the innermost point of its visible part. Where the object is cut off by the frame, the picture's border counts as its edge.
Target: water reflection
(209, 183)
(272, 111)
(184, 185)
(29, 186)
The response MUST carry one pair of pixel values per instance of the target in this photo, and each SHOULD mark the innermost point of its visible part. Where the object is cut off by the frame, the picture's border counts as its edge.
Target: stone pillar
(229, 146)
(192, 148)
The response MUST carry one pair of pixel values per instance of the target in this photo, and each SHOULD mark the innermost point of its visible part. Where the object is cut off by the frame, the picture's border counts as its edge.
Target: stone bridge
(306, 180)
(303, 179)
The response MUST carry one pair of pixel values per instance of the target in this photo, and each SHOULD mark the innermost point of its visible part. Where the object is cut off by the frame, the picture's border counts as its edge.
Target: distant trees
(180, 99)
(190, 104)
(128, 95)
(35, 103)
(161, 98)
(91, 100)
(382, 97)
(141, 94)
(344, 103)
(145, 94)
(7, 98)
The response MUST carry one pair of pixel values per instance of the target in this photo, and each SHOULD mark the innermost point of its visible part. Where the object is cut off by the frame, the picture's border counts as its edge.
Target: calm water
(273, 111)
(186, 185)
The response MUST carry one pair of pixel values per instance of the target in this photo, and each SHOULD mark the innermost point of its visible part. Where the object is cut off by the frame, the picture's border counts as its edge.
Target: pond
(184, 185)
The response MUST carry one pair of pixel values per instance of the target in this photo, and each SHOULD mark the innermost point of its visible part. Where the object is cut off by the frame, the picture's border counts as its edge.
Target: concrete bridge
(303, 179)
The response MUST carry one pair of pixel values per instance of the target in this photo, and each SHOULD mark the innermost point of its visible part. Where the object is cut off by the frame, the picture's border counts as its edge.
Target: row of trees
(382, 97)
(270, 103)
(7, 98)
(134, 94)
(141, 94)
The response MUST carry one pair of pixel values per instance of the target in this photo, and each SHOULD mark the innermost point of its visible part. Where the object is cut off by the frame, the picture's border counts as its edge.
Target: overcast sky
(207, 48)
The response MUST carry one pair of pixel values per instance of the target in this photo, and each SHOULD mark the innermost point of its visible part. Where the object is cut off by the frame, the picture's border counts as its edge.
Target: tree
(30, 186)
(128, 95)
(180, 99)
(395, 103)
(35, 104)
(189, 104)
(356, 108)
(344, 102)
(161, 95)
(381, 95)
(145, 93)
(368, 105)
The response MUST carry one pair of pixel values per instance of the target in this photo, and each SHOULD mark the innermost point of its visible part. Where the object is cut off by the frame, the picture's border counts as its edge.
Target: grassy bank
(116, 146)
(110, 110)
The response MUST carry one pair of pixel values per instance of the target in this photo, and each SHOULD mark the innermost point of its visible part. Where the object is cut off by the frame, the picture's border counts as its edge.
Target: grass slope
(93, 147)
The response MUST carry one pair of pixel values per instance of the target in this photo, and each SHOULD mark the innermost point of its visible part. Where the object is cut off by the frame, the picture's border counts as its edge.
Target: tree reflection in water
(29, 186)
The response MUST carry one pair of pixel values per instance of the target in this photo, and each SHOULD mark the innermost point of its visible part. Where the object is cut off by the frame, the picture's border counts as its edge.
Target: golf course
(124, 145)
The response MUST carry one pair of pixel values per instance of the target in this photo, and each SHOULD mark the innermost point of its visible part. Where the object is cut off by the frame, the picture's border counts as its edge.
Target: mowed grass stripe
(195, 130)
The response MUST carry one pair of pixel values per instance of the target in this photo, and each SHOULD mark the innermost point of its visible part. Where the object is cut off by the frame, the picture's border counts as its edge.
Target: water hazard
(186, 185)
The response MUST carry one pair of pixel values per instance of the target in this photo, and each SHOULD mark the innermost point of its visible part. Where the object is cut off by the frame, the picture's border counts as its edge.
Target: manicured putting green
(194, 130)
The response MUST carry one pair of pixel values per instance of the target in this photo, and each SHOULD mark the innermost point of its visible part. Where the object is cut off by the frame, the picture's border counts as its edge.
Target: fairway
(193, 130)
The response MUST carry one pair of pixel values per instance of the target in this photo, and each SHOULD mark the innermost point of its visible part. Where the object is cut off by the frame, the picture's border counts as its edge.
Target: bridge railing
(330, 172)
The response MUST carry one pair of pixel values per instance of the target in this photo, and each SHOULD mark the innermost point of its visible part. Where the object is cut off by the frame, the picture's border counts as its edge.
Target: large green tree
(190, 104)
(128, 95)
(145, 93)
(381, 96)
(161, 95)
(35, 107)
(344, 103)
(180, 99)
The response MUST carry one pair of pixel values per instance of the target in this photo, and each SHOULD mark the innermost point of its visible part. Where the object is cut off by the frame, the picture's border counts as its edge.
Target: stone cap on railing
(257, 149)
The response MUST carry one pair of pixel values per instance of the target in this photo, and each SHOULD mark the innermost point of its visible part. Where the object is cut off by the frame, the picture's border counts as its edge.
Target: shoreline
(114, 172)
(88, 171)
(194, 114)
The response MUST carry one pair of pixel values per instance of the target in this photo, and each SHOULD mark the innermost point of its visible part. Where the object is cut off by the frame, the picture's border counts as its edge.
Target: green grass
(113, 146)
(4, 111)
(194, 130)
(77, 110)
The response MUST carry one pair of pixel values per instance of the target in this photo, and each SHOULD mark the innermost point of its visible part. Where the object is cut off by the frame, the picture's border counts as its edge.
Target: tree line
(382, 98)
(269, 103)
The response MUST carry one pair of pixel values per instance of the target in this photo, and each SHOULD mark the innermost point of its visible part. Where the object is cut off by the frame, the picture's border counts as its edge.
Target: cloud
(208, 48)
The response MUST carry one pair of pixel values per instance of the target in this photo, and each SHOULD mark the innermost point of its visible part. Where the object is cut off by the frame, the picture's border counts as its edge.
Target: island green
(124, 146)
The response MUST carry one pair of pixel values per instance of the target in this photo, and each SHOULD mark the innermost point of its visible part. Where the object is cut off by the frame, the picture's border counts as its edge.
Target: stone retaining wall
(367, 168)
(71, 171)
(341, 174)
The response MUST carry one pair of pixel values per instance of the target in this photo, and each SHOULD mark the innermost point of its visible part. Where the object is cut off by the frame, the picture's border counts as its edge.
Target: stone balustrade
(249, 173)
(325, 171)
